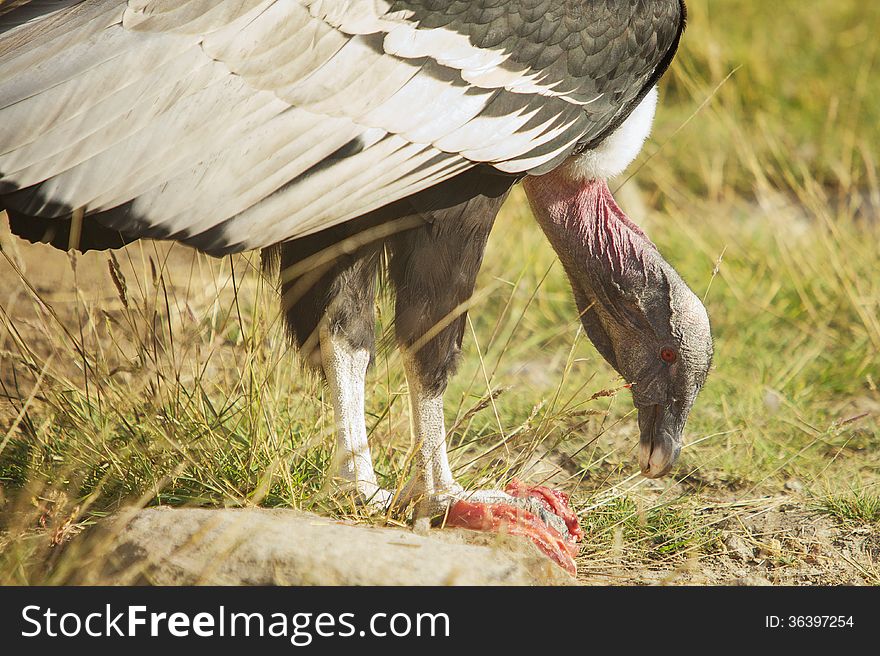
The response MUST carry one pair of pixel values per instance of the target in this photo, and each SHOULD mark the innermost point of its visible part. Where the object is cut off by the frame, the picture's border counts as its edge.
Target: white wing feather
(225, 117)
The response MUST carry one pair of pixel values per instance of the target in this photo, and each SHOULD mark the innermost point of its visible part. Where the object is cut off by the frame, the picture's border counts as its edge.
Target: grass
(654, 533)
(857, 508)
(162, 377)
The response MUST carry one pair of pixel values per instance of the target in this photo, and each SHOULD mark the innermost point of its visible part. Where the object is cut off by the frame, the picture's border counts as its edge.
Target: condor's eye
(668, 355)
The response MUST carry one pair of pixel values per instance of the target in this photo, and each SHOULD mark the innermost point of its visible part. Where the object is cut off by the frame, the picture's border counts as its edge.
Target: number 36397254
(809, 621)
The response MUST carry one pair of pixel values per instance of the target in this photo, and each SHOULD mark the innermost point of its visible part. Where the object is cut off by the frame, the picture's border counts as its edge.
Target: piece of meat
(554, 500)
(514, 520)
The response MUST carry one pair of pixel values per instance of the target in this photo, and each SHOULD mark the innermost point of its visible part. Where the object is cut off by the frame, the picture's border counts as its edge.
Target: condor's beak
(660, 442)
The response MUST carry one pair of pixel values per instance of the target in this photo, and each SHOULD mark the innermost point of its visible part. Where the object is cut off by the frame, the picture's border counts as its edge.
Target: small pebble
(794, 485)
(739, 549)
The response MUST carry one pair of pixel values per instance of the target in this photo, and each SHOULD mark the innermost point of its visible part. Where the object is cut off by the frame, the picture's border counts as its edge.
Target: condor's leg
(328, 294)
(434, 269)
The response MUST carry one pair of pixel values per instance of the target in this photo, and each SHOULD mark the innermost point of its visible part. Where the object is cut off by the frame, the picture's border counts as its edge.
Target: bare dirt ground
(745, 538)
(770, 541)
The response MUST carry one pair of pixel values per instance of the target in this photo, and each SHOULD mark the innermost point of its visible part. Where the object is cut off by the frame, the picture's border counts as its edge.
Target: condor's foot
(366, 494)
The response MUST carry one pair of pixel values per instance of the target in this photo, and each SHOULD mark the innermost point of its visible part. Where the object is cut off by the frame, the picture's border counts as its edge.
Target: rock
(773, 400)
(273, 546)
(751, 581)
(794, 485)
(738, 548)
(772, 548)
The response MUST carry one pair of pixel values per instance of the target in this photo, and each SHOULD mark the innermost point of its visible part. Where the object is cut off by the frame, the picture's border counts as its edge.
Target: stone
(257, 546)
(738, 549)
(751, 581)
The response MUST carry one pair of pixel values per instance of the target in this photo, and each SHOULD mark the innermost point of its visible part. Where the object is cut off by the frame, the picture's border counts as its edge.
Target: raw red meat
(506, 518)
(553, 500)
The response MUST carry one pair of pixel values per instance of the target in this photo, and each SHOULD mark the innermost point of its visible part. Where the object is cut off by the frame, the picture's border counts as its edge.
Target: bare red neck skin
(579, 215)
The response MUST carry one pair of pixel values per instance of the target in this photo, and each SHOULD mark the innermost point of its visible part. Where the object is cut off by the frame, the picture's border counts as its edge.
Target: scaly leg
(432, 481)
(345, 368)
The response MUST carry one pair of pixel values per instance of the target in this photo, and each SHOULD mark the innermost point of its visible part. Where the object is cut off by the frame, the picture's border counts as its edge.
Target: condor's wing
(238, 124)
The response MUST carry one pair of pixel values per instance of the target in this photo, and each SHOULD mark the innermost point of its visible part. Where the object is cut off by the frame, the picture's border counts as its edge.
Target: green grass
(171, 381)
(656, 533)
(787, 96)
(857, 508)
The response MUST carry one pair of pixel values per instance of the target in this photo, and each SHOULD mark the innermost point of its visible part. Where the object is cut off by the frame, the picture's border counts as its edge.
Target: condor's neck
(588, 230)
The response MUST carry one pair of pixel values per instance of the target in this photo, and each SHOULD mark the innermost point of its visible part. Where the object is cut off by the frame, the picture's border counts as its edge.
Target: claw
(368, 495)
(426, 504)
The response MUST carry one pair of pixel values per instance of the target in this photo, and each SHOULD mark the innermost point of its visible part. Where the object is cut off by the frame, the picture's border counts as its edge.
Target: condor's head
(638, 312)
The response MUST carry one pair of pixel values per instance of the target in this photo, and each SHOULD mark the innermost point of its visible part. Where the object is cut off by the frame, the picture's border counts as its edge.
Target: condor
(325, 131)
